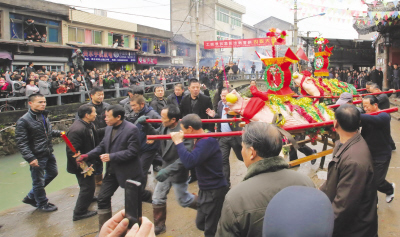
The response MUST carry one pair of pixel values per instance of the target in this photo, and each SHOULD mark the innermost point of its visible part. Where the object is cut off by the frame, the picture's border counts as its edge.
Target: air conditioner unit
(173, 52)
(222, 49)
(25, 49)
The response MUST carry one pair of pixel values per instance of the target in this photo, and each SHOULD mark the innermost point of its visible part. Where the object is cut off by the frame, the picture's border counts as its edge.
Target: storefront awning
(31, 58)
(5, 55)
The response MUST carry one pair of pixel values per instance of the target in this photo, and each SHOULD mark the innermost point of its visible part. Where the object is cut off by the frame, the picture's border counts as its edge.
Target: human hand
(210, 112)
(142, 119)
(149, 142)
(177, 137)
(162, 175)
(34, 163)
(146, 229)
(105, 157)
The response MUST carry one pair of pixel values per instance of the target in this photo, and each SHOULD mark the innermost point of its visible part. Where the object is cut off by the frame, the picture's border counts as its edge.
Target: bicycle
(6, 107)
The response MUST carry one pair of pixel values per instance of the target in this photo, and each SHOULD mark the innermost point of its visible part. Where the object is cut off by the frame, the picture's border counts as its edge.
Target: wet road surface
(24, 220)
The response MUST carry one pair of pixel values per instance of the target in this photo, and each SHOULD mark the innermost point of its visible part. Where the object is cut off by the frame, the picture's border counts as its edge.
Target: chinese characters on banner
(147, 60)
(106, 55)
(239, 43)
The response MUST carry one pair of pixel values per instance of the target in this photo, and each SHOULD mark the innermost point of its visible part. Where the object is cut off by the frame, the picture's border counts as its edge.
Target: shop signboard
(147, 60)
(109, 55)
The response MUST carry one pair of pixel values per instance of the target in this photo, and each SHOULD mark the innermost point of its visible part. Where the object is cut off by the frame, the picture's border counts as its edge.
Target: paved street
(23, 220)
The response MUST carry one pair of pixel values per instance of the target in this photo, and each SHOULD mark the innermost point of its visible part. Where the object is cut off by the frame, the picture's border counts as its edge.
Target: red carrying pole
(231, 120)
(336, 97)
(239, 133)
(361, 89)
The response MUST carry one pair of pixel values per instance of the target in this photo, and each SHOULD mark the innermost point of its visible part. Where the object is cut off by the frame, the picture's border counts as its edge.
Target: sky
(256, 11)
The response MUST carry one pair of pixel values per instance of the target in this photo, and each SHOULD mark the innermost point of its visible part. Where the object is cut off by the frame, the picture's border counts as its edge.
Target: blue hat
(299, 211)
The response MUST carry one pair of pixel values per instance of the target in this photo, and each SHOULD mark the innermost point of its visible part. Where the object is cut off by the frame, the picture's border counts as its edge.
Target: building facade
(31, 31)
(218, 20)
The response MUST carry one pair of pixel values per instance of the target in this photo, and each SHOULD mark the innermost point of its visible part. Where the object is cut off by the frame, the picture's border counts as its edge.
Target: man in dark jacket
(383, 99)
(120, 149)
(173, 173)
(176, 97)
(376, 132)
(148, 150)
(97, 100)
(158, 102)
(227, 143)
(380, 78)
(83, 137)
(350, 184)
(396, 79)
(196, 103)
(33, 134)
(267, 174)
(206, 158)
(235, 68)
(374, 75)
(389, 75)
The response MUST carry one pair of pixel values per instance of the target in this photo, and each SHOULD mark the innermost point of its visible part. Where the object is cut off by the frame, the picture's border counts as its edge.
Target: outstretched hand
(177, 137)
(210, 112)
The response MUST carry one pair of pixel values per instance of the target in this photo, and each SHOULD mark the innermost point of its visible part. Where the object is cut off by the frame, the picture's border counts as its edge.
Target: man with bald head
(267, 173)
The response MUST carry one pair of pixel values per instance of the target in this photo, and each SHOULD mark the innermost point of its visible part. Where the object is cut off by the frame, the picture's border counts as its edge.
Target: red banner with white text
(240, 43)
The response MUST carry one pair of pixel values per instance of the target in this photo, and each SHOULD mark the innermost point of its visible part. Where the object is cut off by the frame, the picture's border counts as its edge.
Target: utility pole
(295, 33)
(197, 40)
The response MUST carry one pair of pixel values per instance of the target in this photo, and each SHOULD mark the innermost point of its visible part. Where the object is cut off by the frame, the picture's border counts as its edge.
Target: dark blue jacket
(152, 114)
(206, 158)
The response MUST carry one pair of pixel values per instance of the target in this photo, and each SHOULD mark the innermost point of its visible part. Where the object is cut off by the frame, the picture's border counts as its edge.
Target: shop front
(109, 59)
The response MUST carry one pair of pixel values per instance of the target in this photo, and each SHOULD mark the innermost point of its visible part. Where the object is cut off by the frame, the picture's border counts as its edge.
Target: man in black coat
(83, 137)
(120, 149)
(196, 103)
(227, 143)
(33, 134)
(158, 102)
(97, 100)
(374, 75)
(380, 78)
(176, 97)
(235, 68)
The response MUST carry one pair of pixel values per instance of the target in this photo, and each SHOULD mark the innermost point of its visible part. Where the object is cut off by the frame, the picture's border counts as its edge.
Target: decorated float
(279, 106)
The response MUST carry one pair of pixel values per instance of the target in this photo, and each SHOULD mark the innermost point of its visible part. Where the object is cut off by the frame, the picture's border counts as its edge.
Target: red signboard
(146, 60)
(240, 43)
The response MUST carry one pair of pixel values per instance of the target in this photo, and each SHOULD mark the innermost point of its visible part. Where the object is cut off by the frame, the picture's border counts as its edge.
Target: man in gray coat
(350, 184)
(267, 174)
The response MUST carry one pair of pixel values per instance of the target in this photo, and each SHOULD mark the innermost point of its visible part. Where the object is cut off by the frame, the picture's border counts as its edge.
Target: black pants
(380, 171)
(225, 144)
(209, 210)
(86, 193)
(157, 160)
(146, 158)
(109, 186)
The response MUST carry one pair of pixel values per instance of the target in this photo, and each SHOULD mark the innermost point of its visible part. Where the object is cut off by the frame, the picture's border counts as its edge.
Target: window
(125, 43)
(222, 35)
(97, 37)
(160, 47)
(110, 39)
(142, 44)
(76, 35)
(236, 19)
(223, 14)
(34, 29)
(235, 37)
(88, 37)
(182, 51)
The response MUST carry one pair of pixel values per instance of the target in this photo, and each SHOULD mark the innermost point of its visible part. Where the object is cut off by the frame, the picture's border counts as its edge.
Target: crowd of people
(116, 135)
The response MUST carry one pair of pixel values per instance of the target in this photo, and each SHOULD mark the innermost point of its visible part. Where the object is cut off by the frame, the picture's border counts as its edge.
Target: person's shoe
(157, 168)
(51, 204)
(389, 198)
(84, 216)
(47, 208)
(29, 201)
(160, 215)
(192, 179)
(315, 160)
